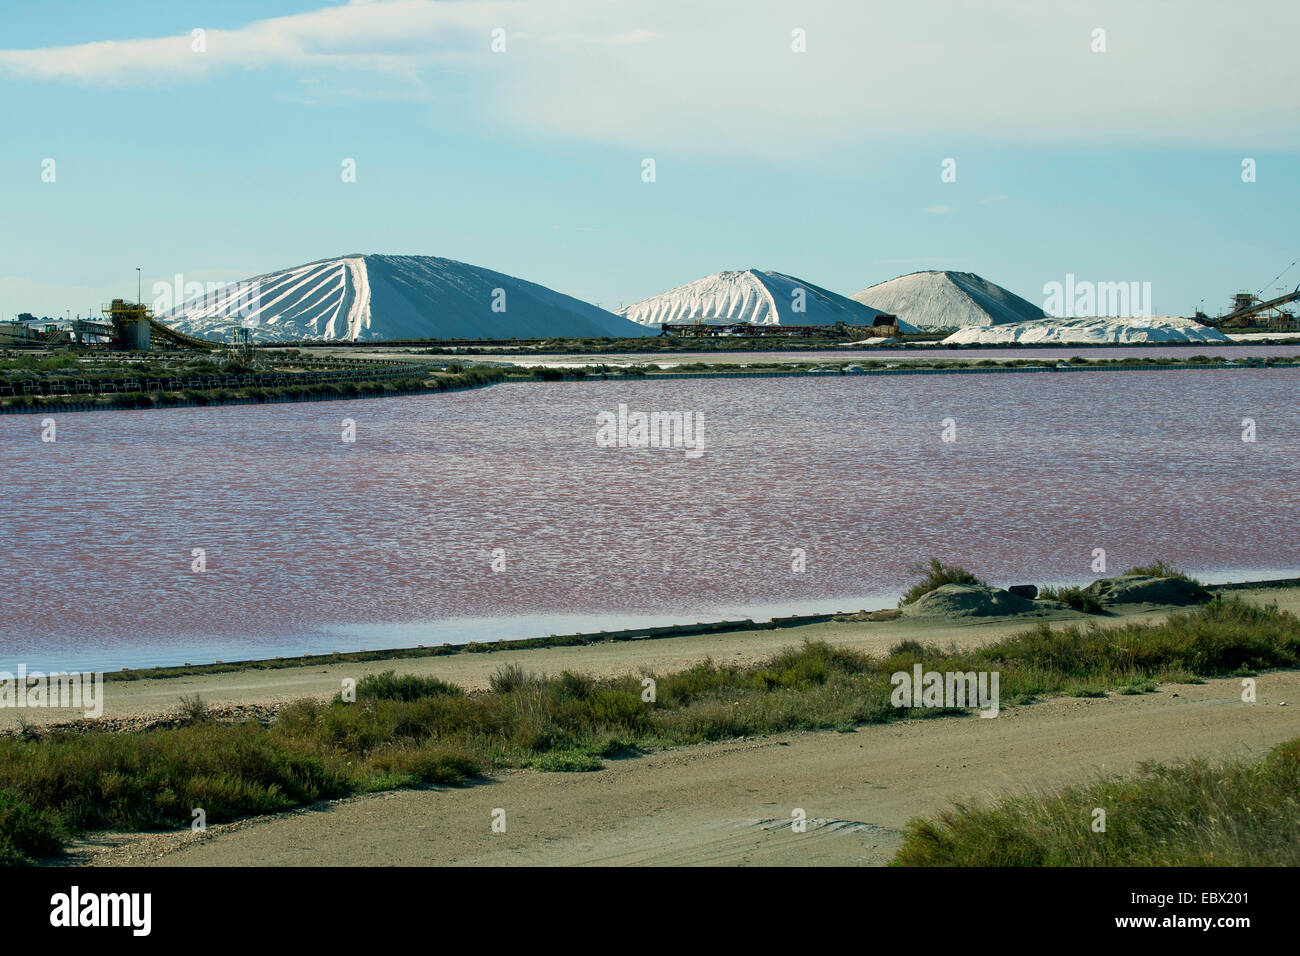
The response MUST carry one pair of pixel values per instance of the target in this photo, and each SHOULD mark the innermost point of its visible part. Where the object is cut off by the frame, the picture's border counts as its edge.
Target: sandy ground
(732, 803)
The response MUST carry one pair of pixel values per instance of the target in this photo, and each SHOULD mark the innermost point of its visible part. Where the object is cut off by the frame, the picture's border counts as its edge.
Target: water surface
(314, 544)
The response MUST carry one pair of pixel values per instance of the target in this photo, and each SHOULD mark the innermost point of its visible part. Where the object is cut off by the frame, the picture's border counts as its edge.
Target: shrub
(388, 686)
(192, 710)
(1160, 569)
(1076, 597)
(511, 677)
(26, 832)
(580, 686)
(63, 360)
(907, 648)
(937, 576)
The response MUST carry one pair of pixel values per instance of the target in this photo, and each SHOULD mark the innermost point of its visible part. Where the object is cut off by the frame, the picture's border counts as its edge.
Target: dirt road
(732, 803)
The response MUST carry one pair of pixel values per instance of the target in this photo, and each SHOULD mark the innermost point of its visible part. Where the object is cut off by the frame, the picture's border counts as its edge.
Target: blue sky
(1114, 165)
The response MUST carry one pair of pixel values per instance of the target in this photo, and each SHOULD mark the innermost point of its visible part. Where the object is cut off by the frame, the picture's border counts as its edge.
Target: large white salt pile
(1088, 331)
(948, 300)
(749, 295)
(376, 297)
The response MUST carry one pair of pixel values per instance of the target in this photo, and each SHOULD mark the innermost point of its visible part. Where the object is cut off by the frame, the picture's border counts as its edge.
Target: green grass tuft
(567, 763)
(1160, 569)
(1195, 814)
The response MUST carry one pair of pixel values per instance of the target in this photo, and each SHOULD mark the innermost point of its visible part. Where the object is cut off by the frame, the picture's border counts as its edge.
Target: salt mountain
(948, 300)
(376, 297)
(748, 295)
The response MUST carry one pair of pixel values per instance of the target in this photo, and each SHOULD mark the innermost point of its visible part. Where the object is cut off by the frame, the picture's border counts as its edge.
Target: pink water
(314, 544)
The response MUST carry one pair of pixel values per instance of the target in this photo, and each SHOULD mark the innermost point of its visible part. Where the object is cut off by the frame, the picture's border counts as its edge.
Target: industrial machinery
(1251, 310)
(134, 328)
(1248, 311)
(130, 327)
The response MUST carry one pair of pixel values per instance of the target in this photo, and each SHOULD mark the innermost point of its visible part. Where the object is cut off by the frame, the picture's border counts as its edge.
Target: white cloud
(362, 37)
(938, 210)
(722, 80)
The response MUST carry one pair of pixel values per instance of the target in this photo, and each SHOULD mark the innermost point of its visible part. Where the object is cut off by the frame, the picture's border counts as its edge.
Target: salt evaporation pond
(313, 544)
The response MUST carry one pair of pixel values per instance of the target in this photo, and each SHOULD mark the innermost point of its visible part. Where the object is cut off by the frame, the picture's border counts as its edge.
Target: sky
(1136, 141)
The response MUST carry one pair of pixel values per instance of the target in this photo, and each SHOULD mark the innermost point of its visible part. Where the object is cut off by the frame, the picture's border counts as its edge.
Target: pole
(139, 286)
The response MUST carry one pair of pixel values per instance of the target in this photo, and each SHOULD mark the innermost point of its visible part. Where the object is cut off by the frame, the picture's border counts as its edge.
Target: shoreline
(576, 639)
(916, 368)
(275, 682)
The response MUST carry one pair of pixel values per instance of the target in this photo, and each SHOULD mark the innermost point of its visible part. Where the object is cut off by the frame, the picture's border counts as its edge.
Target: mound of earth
(968, 600)
(1148, 589)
